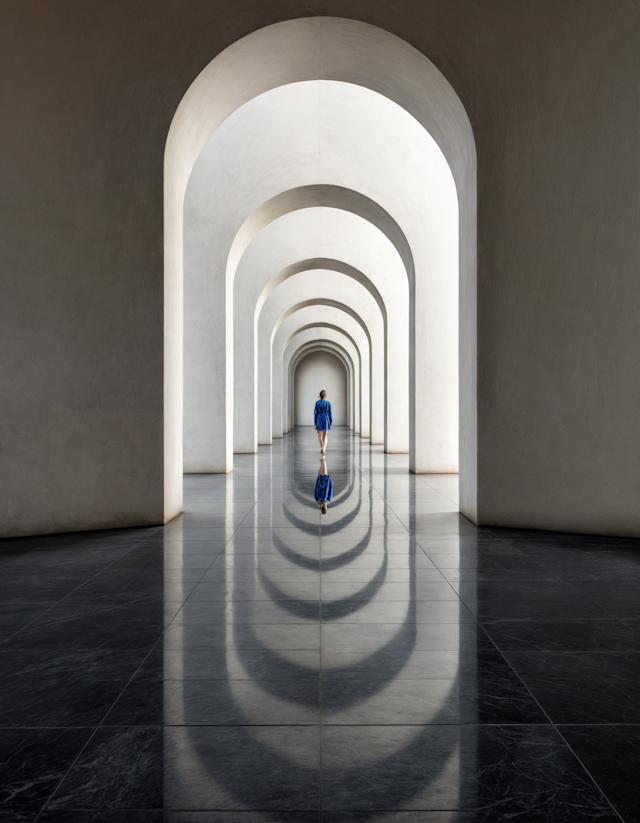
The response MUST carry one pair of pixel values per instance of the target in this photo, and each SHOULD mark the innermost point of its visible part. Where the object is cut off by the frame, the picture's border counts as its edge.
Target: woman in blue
(324, 487)
(322, 420)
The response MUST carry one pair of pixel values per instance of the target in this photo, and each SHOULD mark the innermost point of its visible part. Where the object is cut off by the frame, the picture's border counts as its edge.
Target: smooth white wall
(316, 371)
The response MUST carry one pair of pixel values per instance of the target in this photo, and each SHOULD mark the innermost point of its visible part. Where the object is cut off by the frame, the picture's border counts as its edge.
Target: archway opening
(367, 110)
(315, 371)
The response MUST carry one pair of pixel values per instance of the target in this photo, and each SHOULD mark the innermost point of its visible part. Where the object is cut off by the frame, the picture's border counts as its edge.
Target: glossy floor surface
(254, 660)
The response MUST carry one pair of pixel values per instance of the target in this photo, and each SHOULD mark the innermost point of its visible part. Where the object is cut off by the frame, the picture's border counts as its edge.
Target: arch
(335, 352)
(323, 344)
(373, 379)
(362, 55)
(290, 297)
(312, 196)
(348, 332)
(304, 334)
(252, 358)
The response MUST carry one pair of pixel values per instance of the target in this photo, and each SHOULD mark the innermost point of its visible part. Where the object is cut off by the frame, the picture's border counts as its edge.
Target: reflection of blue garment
(322, 417)
(324, 487)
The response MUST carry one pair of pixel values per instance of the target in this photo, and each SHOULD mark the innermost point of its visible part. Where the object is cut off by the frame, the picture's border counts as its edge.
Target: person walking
(322, 420)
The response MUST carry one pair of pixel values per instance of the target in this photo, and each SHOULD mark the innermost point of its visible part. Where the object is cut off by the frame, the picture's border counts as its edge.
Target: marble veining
(254, 660)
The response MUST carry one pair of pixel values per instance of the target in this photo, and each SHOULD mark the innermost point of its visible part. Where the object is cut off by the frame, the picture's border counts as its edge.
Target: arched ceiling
(324, 191)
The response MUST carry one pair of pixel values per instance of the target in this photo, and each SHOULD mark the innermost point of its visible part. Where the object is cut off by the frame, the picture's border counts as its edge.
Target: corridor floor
(256, 661)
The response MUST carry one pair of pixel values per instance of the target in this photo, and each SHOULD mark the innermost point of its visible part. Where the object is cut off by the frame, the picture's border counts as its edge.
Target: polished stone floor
(256, 661)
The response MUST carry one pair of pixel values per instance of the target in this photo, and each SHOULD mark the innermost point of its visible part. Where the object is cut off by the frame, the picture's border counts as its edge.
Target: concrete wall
(316, 371)
(88, 96)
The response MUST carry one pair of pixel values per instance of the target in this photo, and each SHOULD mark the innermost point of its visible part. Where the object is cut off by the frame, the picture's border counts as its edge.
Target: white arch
(326, 317)
(320, 196)
(310, 289)
(336, 351)
(308, 337)
(350, 245)
(351, 52)
(352, 327)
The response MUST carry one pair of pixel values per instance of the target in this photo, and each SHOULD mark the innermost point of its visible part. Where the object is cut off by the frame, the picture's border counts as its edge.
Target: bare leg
(324, 441)
(319, 438)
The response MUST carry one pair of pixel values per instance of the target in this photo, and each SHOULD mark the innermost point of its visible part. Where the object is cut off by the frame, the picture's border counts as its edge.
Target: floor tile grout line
(554, 725)
(90, 738)
(68, 594)
(121, 692)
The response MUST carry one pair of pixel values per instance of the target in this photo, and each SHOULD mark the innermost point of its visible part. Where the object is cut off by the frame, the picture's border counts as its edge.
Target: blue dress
(324, 488)
(322, 417)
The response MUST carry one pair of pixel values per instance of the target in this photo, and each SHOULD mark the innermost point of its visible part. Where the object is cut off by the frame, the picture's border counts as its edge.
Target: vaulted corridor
(388, 661)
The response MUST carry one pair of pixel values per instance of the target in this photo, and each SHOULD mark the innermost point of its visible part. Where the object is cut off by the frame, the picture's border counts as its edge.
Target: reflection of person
(322, 420)
(324, 487)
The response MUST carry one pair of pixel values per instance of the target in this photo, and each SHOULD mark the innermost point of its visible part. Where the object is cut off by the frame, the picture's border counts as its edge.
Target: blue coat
(324, 488)
(322, 417)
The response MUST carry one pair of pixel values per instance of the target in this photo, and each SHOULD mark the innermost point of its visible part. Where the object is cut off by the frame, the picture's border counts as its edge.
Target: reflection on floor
(257, 661)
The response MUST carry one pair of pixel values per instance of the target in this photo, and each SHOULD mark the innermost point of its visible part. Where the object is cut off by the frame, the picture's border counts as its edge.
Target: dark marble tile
(93, 664)
(76, 557)
(121, 768)
(15, 616)
(56, 701)
(611, 755)
(477, 816)
(53, 581)
(509, 565)
(139, 816)
(218, 703)
(87, 816)
(125, 627)
(562, 635)
(582, 687)
(275, 816)
(620, 598)
(525, 771)
(33, 762)
(21, 545)
(527, 599)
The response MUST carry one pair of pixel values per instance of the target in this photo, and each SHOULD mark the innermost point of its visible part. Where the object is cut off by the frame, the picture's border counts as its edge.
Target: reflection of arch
(276, 56)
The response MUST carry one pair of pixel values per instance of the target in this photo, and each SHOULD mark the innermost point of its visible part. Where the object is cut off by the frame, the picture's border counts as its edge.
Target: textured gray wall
(89, 89)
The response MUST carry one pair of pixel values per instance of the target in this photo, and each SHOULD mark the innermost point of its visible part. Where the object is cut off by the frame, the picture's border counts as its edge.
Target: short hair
(322, 394)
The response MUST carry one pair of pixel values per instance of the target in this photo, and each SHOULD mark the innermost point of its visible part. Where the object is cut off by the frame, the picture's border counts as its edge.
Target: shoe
(323, 507)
